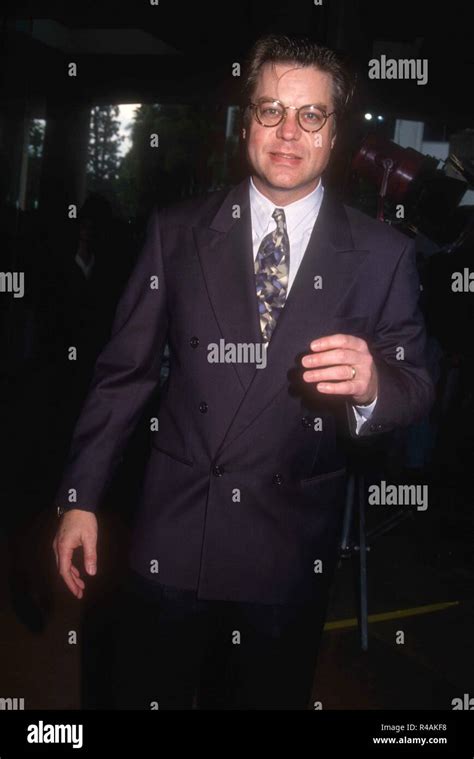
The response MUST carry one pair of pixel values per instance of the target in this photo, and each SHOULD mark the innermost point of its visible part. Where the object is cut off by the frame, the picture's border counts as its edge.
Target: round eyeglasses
(270, 113)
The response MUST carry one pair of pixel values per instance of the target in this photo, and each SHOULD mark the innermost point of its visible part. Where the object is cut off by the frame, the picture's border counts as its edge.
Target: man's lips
(280, 157)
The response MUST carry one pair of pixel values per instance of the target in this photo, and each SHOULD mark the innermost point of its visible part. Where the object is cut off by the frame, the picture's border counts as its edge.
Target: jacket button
(306, 422)
(277, 479)
(217, 470)
(194, 342)
(203, 407)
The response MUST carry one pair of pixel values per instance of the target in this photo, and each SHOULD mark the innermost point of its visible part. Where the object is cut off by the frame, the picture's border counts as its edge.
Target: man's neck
(283, 198)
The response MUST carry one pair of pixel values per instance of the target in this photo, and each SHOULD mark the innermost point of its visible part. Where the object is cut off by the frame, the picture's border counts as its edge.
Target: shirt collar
(299, 215)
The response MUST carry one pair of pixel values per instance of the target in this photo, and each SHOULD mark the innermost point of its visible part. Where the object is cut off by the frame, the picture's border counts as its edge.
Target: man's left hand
(342, 365)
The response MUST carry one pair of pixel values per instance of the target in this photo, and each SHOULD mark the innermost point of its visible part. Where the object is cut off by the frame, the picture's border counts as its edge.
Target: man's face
(286, 161)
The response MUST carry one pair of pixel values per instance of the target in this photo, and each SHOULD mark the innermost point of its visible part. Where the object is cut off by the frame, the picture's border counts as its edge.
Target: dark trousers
(174, 651)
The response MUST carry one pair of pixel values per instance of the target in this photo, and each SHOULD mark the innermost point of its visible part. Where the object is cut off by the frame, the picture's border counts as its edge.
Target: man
(280, 307)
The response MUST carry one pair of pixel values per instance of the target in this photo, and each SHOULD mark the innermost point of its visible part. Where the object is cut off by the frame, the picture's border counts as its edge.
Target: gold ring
(353, 372)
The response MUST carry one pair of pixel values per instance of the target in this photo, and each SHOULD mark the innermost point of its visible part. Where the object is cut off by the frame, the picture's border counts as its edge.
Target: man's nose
(289, 129)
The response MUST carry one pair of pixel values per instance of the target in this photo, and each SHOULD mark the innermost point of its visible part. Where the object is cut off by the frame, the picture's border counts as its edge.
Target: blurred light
(379, 118)
(368, 116)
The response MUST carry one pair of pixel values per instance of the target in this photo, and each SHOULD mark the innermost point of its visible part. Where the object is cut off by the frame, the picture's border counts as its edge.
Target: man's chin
(282, 182)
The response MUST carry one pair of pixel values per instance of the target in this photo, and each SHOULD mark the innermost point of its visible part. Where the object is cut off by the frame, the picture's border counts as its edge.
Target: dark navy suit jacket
(244, 488)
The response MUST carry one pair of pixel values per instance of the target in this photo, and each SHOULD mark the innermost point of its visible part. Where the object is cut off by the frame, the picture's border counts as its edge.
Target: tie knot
(279, 215)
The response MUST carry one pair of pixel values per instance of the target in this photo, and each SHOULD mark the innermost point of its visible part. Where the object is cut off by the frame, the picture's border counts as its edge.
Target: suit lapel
(226, 254)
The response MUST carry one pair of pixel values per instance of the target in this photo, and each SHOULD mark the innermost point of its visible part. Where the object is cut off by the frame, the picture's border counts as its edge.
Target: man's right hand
(76, 528)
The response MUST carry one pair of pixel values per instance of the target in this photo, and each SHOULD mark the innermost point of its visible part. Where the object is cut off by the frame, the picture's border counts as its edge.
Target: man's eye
(312, 116)
(270, 111)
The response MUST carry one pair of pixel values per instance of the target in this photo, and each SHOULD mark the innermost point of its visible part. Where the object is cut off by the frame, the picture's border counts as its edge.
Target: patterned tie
(271, 273)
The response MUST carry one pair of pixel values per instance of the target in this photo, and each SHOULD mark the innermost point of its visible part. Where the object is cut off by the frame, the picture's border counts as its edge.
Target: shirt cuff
(362, 413)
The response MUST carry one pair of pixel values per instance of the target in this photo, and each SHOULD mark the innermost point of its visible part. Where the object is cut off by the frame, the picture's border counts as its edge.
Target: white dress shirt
(300, 218)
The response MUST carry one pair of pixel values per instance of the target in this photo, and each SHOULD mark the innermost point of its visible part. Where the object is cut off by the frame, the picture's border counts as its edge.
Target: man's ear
(333, 140)
(244, 133)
